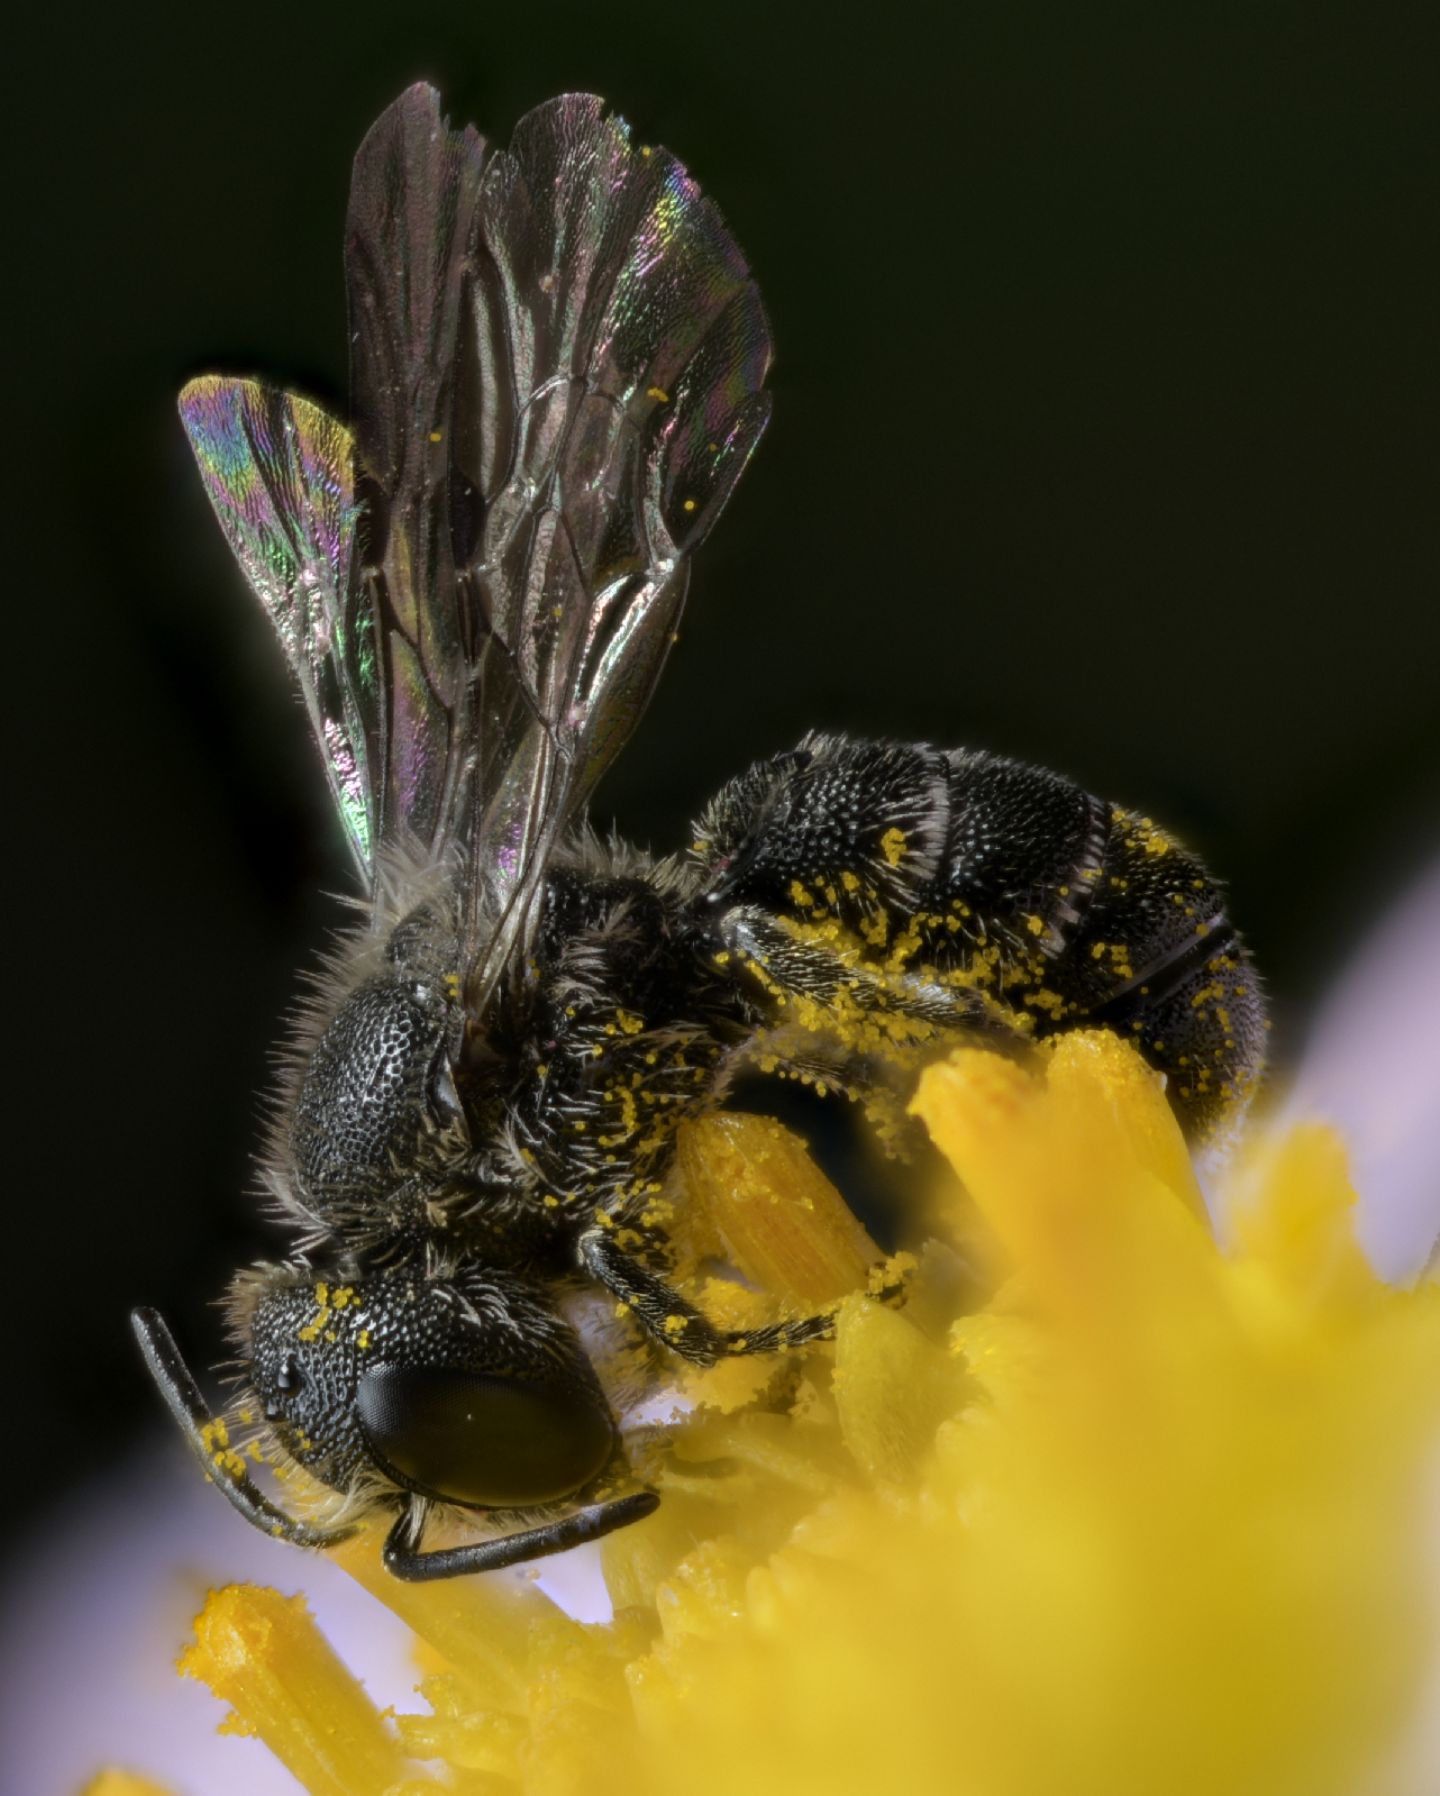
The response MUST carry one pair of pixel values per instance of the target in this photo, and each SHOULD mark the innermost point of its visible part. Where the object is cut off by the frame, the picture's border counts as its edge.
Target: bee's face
(469, 1391)
(308, 1337)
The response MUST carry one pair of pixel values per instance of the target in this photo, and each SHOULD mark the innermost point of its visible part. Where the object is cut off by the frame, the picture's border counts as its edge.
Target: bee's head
(467, 1389)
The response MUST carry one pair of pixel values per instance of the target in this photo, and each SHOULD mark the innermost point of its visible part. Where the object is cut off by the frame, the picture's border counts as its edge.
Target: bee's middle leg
(675, 1322)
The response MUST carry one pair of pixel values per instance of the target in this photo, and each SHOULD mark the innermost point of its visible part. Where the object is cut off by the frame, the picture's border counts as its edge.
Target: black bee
(558, 366)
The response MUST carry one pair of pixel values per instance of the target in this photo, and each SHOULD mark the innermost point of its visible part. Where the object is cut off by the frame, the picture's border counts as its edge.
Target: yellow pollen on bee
(689, 505)
(1036, 925)
(893, 844)
(312, 1329)
(675, 1325)
(362, 1340)
(658, 393)
(436, 436)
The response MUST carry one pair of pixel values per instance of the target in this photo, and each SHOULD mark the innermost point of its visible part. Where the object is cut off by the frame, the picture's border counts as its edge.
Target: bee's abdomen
(1025, 852)
(1086, 915)
(1008, 879)
(1157, 959)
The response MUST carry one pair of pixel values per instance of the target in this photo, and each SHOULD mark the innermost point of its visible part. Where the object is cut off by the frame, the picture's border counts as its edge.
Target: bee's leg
(791, 964)
(404, 1558)
(676, 1323)
(208, 1442)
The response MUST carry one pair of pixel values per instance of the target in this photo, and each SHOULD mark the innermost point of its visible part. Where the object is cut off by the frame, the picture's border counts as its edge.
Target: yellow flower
(1150, 1521)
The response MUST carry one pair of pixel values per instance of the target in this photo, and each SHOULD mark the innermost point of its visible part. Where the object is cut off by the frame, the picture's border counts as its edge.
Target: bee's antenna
(404, 1558)
(209, 1443)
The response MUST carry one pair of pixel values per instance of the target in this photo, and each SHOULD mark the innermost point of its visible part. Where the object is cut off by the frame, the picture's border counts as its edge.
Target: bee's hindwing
(279, 474)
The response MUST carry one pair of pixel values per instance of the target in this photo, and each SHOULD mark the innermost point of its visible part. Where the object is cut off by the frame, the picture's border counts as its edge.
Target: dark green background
(1106, 434)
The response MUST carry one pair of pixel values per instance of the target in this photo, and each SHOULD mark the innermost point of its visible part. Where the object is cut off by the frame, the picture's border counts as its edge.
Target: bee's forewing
(613, 395)
(278, 473)
(410, 232)
(558, 362)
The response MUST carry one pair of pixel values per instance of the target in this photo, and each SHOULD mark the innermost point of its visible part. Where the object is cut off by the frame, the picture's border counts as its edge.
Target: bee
(558, 375)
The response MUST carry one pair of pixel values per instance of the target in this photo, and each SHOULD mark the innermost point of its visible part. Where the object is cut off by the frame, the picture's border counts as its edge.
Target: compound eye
(481, 1440)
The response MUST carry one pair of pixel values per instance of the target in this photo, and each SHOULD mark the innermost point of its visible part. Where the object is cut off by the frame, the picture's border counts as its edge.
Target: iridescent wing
(409, 238)
(558, 357)
(374, 650)
(278, 472)
(548, 438)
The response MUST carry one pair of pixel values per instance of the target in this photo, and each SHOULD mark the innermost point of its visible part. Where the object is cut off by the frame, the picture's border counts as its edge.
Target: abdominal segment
(931, 894)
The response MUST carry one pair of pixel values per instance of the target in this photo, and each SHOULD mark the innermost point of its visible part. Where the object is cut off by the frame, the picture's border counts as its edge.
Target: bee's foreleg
(404, 1557)
(676, 1323)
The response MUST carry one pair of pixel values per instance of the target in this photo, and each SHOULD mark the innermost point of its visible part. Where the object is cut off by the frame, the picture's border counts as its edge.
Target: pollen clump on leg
(1149, 1518)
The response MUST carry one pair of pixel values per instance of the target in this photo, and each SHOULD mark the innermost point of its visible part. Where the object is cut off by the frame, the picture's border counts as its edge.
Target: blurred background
(1105, 435)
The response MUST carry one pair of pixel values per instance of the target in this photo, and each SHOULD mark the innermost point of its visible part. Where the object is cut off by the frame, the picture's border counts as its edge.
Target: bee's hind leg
(676, 1323)
(791, 965)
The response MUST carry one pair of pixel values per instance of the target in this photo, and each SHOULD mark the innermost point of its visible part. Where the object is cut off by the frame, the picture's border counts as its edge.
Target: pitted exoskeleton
(558, 368)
